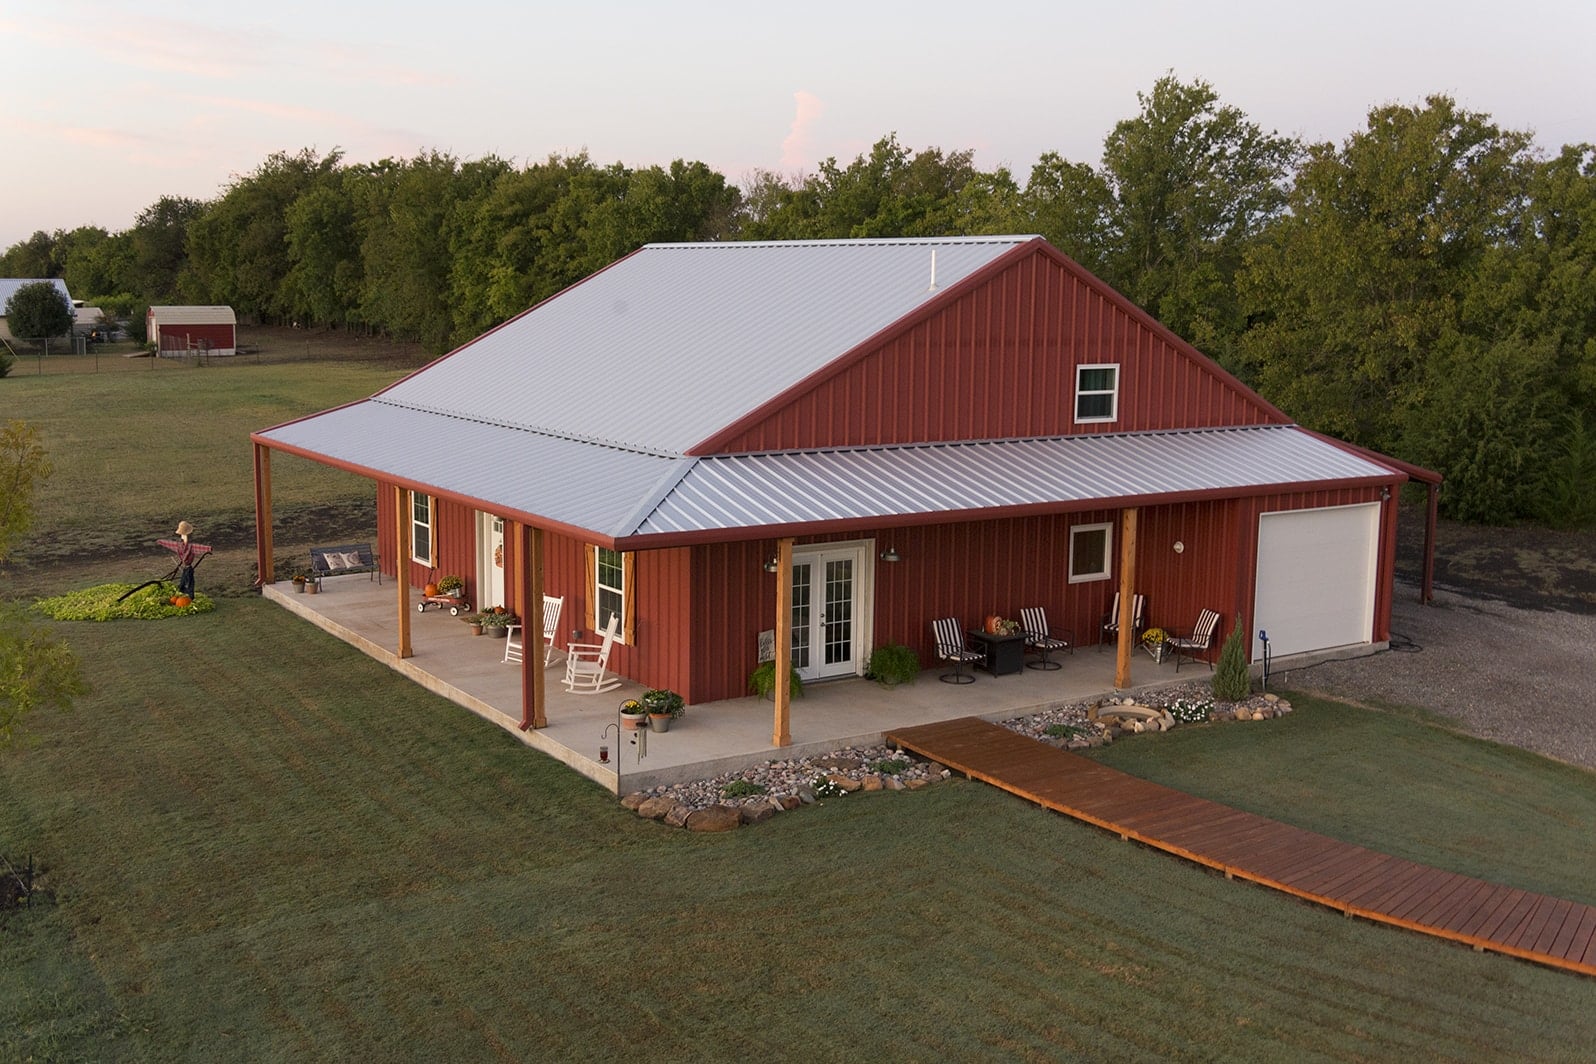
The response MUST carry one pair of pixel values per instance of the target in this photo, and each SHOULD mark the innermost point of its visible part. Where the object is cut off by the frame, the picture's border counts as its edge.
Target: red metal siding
(1000, 362)
(190, 337)
(454, 542)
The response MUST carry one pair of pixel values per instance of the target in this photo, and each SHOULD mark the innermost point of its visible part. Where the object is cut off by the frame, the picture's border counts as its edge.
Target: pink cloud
(797, 150)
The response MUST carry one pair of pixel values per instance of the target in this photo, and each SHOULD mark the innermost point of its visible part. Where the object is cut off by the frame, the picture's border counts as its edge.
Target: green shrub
(1061, 731)
(742, 789)
(762, 681)
(890, 766)
(1231, 680)
(892, 664)
(6, 362)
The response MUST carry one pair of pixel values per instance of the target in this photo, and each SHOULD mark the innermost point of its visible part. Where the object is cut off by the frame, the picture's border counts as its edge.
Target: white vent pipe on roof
(933, 287)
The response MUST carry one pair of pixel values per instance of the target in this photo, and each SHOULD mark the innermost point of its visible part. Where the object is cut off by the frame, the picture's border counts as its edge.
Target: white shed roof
(193, 316)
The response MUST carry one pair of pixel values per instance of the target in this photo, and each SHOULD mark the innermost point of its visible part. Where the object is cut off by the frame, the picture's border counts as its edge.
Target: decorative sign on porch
(767, 645)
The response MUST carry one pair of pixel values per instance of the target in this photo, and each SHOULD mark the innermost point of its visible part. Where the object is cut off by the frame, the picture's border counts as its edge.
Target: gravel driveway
(1525, 677)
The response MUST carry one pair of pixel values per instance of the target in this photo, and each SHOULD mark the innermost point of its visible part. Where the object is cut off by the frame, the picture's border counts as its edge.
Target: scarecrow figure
(188, 556)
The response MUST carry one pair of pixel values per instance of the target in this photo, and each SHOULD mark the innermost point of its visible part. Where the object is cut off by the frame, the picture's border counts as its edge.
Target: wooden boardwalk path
(1355, 880)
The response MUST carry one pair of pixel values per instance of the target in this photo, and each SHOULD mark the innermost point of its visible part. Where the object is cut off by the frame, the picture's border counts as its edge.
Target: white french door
(829, 606)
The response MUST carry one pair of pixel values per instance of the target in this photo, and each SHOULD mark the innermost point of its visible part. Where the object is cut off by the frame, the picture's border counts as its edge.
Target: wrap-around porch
(714, 737)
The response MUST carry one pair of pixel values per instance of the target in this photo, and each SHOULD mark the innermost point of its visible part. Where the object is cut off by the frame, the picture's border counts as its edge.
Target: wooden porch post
(783, 729)
(1427, 585)
(265, 566)
(1127, 597)
(401, 566)
(529, 559)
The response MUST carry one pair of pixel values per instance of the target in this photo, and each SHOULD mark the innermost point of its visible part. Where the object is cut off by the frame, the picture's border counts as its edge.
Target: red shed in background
(185, 331)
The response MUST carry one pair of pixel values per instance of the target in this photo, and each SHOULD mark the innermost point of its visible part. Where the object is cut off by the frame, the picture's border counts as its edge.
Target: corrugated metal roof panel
(759, 490)
(676, 342)
(9, 286)
(509, 469)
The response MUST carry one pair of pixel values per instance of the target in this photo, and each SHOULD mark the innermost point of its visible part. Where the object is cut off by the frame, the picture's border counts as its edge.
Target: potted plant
(892, 664)
(663, 707)
(762, 681)
(496, 622)
(299, 583)
(633, 714)
(475, 621)
(452, 586)
(1153, 641)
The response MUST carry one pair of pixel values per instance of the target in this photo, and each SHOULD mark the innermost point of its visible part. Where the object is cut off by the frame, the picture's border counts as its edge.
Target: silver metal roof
(804, 487)
(622, 494)
(194, 315)
(674, 343)
(9, 286)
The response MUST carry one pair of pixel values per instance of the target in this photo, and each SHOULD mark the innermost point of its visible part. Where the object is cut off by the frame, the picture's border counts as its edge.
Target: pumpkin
(430, 590)
(181, 601)
(992, 623)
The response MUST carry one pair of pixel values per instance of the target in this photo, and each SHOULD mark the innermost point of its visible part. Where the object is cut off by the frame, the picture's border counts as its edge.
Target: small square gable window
(1096, 393)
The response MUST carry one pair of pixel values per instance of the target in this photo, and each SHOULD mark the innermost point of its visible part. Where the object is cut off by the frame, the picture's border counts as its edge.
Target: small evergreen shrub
(1061, 731)
(892, 664)
(1232, 683)
(742, 789)
(890, 766)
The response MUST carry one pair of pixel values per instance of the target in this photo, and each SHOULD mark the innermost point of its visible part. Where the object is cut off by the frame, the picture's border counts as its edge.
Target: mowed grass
(265, 846)
(135, 452)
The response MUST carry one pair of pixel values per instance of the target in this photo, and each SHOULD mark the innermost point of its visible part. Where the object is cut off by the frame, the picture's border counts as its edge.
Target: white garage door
(1316, 573)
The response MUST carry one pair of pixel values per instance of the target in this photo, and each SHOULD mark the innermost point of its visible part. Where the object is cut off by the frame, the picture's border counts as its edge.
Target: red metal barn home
(179, 331)
(903, 429)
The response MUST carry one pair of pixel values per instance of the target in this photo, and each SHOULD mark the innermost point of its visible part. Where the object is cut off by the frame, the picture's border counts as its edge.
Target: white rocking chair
(551, 626)
(585, 664)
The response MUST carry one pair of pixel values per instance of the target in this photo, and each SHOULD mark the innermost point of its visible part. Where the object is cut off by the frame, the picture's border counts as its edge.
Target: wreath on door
(498, 556)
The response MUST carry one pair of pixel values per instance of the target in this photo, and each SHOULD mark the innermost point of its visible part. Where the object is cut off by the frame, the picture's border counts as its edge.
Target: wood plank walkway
(1355, 880)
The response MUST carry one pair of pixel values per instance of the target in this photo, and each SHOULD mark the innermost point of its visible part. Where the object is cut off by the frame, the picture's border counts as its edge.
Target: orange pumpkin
(992, 624)
(181, 601)
(430, 590)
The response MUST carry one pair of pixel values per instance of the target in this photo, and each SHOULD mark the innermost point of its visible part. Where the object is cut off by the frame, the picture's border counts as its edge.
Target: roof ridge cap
(554, 434)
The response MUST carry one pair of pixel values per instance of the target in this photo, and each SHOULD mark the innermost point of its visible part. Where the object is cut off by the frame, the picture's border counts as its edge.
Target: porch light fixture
(772, 566)
(891, 555)
(1180, 548)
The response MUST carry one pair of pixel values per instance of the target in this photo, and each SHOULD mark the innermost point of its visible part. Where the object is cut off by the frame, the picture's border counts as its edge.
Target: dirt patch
(1525, 567)
(282, 343)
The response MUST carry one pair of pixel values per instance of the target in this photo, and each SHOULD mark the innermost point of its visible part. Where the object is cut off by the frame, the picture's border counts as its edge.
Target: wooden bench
(349, 558)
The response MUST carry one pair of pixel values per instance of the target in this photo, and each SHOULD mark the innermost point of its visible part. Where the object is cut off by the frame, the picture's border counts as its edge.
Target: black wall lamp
(891, 555)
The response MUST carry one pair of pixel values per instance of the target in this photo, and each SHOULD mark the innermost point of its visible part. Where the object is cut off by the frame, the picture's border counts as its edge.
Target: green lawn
(264, 846)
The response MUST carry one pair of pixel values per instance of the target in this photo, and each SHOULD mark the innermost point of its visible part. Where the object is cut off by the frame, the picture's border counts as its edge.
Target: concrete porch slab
(711, 738)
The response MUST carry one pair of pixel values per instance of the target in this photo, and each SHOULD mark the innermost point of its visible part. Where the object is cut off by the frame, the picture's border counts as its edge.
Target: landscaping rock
(872, 783)
(806, 796)
(915, 785)
(893, 783)
(655, 808)
(845, 764)
(677, 815)
(849, 785)
(715, 818)
(633, 800)
(758, 812)
(790, 802)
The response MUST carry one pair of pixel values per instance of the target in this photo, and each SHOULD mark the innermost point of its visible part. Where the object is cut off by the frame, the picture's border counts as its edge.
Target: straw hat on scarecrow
(184, 528)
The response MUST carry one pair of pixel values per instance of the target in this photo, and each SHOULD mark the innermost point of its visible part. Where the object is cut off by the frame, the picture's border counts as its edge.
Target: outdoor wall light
(1385, 494)
(1180, 548)
(772, 566)
(891, 555)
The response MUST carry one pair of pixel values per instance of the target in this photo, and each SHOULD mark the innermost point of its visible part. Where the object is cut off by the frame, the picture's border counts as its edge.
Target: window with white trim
(1096, 393)
(421, 528)
(609, 590)
(1091, 551)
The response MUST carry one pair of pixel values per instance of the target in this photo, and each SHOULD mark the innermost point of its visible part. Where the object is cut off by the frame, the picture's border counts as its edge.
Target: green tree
(36, 670)
(1383, 307)
(38, 311)
(1191, 184)
(1069, 204)
(36, 256)
(159, 249)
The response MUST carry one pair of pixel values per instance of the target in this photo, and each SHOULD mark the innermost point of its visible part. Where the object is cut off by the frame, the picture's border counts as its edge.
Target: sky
(106, 107)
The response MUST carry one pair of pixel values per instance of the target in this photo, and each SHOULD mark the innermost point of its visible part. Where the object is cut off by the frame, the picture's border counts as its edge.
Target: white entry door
(827, 619)
(490, 560)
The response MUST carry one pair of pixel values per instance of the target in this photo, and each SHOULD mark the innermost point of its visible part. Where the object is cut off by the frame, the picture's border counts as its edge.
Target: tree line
(1427, 287)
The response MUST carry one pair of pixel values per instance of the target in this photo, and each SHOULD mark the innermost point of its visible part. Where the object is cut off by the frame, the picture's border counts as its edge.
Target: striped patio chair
(951, 646)
(1038, 636)
(1111, 619)
(1199, 645)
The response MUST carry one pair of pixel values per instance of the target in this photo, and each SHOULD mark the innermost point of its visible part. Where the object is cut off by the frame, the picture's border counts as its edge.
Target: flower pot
(633, 721)
(498, 631)
(659, 722)
(476, 629)
(310, 586)
(299, 587)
